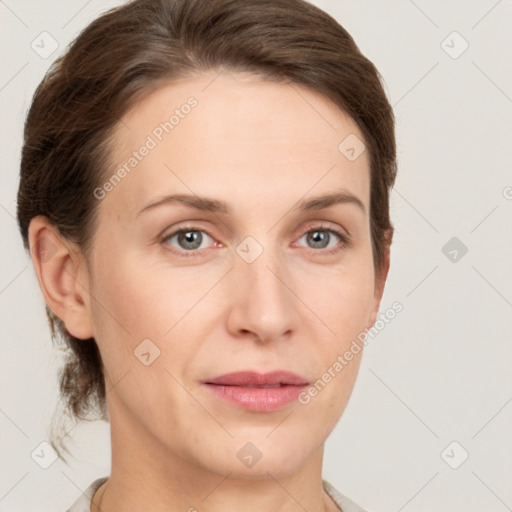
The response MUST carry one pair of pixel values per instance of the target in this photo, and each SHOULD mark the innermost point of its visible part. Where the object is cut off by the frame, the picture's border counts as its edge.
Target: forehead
(231, 131)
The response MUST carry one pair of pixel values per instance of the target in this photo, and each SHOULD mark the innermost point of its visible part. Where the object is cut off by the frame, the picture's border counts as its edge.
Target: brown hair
(129, 51)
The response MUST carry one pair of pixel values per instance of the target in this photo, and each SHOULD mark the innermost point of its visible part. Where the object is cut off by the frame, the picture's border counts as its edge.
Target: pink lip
(254, 392)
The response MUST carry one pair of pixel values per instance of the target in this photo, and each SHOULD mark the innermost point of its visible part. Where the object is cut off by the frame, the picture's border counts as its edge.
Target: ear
(381, 274)
(61, 273)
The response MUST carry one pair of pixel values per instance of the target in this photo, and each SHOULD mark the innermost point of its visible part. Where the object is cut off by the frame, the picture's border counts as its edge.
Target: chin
(255, 455)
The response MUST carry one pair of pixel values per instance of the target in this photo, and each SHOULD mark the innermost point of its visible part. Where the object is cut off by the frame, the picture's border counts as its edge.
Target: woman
(205, 195)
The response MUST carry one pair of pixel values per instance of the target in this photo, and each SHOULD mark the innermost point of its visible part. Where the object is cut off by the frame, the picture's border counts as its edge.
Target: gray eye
(320, 238)
(188, 239)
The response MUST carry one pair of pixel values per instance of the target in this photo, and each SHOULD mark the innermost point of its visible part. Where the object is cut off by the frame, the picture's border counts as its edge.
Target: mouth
(258, 392)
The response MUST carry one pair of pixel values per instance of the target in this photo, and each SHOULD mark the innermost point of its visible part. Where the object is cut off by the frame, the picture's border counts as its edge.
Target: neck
(147, 475)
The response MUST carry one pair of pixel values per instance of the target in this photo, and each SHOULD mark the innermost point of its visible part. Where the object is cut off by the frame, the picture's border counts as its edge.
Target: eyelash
(345, 241)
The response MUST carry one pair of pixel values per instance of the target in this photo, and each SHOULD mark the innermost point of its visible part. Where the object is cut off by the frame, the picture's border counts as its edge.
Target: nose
(262, 304)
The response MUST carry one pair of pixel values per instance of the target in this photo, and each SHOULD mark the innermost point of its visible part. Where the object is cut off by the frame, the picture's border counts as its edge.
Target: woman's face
(255, 282)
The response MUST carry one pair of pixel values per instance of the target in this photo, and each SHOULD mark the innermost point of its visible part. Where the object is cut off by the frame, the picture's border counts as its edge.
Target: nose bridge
(260, 267)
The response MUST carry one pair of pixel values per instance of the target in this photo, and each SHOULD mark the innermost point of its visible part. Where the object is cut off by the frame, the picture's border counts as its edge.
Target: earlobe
(60, 273)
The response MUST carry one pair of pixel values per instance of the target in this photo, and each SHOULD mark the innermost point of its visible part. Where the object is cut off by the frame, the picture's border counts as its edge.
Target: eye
(188, 239)
(325, 239)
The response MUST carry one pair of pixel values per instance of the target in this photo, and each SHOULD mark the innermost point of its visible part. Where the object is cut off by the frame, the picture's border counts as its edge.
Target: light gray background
(439, 372)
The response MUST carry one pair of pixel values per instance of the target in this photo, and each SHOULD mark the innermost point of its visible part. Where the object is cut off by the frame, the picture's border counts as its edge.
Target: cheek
(343, 300)
(122, 310)
(342, 297)
(345, 307)
(136, 301)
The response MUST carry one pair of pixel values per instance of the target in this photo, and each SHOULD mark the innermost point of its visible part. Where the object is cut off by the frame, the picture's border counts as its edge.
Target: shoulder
(83, 503)
(345, 504)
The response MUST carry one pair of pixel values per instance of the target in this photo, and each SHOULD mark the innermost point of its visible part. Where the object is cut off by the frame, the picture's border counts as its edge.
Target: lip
(260, 392)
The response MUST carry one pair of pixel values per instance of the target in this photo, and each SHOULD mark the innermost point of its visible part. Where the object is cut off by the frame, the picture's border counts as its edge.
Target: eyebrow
(217, 206)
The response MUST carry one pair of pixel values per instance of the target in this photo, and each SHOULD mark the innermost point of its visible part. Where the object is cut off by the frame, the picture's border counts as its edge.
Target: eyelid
(343, 235)
(184, 228)
(324, 225)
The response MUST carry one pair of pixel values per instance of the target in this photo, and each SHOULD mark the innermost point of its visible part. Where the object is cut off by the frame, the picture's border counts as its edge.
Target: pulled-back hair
(127, 53)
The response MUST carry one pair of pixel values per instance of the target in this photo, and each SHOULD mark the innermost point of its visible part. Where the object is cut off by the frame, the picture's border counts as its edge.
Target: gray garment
(83, 503)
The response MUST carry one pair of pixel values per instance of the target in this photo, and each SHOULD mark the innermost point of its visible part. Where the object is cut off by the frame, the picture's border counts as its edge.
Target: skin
(261, 147)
